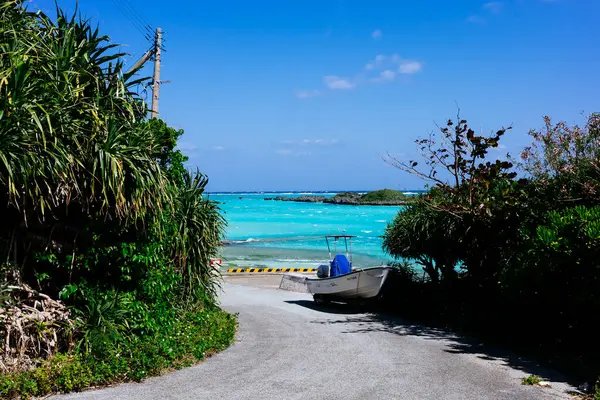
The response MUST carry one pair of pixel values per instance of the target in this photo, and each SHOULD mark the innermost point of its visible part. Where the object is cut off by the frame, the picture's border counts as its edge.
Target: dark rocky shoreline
(352, 199)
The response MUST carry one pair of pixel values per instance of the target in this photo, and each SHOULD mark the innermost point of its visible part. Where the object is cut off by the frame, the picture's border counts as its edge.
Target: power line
(137, 16)
(136, 23)
(130, 14)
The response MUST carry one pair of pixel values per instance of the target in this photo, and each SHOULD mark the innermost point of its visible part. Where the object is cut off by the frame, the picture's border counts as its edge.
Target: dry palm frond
(33, 327)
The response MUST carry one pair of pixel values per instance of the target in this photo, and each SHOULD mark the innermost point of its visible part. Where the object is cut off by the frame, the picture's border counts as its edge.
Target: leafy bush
(470, 215)
(493, 244)
(421, 234)
(383, 195)
(531, 380)
(558, 274)
(100, 212)
(566, 160)
(88, 179)
(189, 340)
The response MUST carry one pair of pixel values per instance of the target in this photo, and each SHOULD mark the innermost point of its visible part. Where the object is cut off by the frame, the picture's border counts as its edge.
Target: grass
(190, 340)
(531, 380)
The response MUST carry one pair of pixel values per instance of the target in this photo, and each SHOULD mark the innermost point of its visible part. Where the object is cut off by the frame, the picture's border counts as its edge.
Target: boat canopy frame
(334, 241)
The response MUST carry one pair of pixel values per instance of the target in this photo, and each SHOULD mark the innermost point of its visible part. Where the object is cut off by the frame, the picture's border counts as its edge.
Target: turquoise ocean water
(288, 234)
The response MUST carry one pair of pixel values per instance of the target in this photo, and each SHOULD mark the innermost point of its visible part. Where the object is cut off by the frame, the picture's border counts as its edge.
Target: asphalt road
(289, 348)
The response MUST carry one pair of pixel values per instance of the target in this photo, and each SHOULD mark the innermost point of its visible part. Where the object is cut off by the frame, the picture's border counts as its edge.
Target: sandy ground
(270, 280)
(287, 347)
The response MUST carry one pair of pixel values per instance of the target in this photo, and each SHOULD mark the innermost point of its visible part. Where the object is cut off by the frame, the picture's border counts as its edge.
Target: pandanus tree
(99, 210)
(70, 121)
(72, 145)
(79, 161)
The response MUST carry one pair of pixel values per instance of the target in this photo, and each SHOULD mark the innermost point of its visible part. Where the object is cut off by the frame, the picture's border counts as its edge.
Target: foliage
(100, 213)
(404, 271)
(104, 319)
(383, 195)
(200, 230)
(492, 244)
(347, 196)
(558, 274)
(418, 233)
(567, 158)
(455, 163)
(193, 337)
(466, 214)
(90, 183)
(531, 380)
(69, 131)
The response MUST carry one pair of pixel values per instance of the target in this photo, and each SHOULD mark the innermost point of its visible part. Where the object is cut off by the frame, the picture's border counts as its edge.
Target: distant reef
(384, 197)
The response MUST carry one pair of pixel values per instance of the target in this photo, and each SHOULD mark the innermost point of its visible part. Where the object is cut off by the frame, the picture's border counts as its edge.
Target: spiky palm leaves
(69, 125)
(201, 228)
(81, 170)
(78, 158)
(73, 147)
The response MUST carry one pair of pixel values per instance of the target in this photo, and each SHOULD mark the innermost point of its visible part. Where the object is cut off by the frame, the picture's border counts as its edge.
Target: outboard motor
(323, 271)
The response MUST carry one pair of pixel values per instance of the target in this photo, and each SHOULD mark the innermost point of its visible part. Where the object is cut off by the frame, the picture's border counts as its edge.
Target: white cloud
(390, 63)
(379, 61)
(385, 76)
(290, 153)
(306, 94)
(388, 75)
(410, 67)
(218, 148)
(475, 19)
(310, 142)
(335, 82)
(187, 147)
(377, 34)
(383, 68)
(320, 142)
(494, 6)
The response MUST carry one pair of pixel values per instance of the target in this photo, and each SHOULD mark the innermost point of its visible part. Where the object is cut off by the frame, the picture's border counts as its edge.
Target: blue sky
(307, 94)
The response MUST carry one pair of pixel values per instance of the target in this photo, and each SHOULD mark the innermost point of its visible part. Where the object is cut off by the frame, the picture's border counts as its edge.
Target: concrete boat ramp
(288, 347)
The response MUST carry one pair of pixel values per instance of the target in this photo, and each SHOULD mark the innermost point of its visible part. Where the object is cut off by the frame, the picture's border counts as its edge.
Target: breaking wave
(272, 240)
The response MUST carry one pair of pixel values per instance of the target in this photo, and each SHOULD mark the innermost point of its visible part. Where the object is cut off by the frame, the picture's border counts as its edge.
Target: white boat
(338, 280)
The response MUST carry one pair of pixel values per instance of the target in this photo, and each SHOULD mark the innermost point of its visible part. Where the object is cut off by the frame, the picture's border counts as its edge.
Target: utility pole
(156, 78)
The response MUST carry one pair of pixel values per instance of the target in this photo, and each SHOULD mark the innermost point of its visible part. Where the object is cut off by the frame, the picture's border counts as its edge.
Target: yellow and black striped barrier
(263, 270)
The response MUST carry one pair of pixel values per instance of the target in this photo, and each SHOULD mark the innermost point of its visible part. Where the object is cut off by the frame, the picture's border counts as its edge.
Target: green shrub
(187, 341)
(101, 211)
(494, 244)
(383, 195)
(531, 380)
(424, 235)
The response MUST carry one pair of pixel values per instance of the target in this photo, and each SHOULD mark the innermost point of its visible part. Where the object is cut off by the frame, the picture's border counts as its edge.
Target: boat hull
(364, 284)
